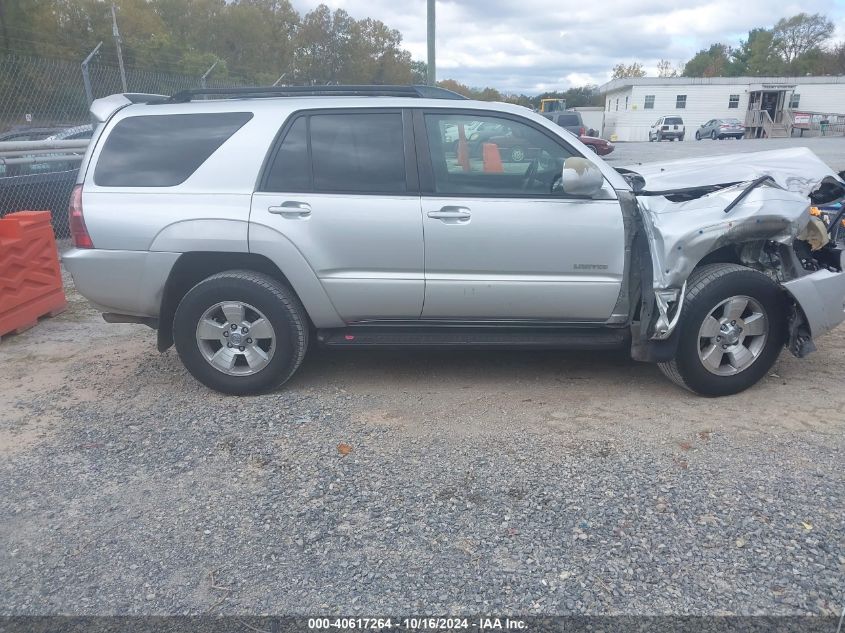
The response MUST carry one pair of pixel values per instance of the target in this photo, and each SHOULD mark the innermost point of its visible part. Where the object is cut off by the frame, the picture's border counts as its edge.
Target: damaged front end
(751, 209)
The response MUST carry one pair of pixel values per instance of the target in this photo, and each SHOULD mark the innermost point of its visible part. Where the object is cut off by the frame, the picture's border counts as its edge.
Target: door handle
(451, 215)
(292, 209)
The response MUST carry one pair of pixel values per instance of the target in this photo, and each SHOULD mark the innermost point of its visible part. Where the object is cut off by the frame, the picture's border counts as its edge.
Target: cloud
(534, 45)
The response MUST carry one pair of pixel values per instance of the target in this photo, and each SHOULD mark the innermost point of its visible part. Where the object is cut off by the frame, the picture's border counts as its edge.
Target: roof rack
(422, 92)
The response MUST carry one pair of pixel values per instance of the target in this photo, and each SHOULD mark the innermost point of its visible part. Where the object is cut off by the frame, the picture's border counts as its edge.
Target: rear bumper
(670, 133)
(821, 296)
(124, 282)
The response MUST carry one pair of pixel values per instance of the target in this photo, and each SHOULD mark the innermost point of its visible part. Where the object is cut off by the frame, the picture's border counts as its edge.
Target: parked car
(350, 220)
(671, 127)
(720, 128)
(598, 145)
(568, 120)
(28, 134)
(73, 133)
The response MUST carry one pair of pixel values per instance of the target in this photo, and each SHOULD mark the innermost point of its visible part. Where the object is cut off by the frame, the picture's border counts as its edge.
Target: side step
(476, 337)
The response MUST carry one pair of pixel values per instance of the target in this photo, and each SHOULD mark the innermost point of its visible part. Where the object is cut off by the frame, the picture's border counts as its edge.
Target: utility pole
(85, 78)
(432, 70)
(116, 33)
(3, 24)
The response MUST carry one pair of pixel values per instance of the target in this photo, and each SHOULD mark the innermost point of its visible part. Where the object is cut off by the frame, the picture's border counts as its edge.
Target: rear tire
(714, 299)
(239, 303)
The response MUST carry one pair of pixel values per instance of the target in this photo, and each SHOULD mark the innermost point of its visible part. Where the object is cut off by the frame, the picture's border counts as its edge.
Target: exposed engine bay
(780, 212)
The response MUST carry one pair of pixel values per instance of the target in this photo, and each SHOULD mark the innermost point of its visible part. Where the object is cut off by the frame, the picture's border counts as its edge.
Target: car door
(341, 186)
(502, 243)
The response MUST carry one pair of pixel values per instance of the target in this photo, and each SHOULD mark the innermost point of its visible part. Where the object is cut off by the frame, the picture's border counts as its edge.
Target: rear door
(501, 243)
(342, 186)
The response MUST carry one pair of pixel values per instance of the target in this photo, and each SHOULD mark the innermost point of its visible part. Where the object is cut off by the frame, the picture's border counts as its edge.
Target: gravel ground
(504, 482)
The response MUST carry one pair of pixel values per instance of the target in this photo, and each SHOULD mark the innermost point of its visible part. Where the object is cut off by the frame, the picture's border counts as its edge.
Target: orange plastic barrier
(30, 277)
(492, 159)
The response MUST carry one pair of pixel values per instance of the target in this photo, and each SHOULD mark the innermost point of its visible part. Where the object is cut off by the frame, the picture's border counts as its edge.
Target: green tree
(709, 62)
(800, 34)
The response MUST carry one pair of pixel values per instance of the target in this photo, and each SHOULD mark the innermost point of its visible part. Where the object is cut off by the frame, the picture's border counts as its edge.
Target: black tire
(713, 135)
(594, 148)
(276, 301)
(706, 288)
(650, 138)
(659, 137)
(697, 136)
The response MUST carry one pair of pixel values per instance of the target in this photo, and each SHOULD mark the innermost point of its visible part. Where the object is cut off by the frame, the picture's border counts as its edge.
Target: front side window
(649, 102)
(502, 157)
(681, 102)
(163, 150)
(344, 152)
(733, 101)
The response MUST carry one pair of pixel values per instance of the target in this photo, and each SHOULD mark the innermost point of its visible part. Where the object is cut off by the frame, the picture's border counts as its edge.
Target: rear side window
(291, 170)
(344, 152)
(163, 150)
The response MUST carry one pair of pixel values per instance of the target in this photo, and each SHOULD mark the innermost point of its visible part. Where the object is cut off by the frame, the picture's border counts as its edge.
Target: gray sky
(535, 45)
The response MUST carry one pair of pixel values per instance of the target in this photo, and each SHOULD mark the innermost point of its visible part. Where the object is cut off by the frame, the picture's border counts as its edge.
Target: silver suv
(245, 226)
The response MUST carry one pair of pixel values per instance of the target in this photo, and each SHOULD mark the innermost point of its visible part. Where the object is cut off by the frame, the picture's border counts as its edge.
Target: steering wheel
(530, 173)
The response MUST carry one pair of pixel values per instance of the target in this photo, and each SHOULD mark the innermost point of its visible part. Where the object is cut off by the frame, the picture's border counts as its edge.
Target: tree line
(796, 45)
(257, 41)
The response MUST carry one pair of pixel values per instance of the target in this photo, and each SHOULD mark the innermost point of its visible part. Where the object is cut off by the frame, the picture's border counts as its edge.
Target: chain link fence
(43, 99)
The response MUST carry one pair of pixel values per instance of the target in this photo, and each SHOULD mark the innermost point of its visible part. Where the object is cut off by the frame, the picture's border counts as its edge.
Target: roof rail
(423, 92)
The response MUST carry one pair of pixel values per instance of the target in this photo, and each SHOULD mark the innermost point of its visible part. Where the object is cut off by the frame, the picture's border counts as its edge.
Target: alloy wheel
(732, 336)
(235, 338)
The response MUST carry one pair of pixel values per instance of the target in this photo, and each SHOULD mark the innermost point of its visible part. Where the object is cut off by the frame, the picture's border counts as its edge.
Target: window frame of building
(794, 100)
(680, 102)
(733, 102)
(648, 103)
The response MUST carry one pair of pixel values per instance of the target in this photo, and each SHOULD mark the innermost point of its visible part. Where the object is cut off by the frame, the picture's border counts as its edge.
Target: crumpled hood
(796, 169)
(681, 233)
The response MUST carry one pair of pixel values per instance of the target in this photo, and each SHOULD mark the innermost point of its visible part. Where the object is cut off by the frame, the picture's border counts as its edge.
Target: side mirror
(580, 177)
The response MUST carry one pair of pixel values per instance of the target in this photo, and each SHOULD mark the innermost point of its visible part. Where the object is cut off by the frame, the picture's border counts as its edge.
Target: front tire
(697, 136)
(241, 332)
(731, 331)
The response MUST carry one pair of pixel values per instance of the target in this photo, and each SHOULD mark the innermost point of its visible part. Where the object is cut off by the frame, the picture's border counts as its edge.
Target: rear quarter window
(163, 150)
(568, 119)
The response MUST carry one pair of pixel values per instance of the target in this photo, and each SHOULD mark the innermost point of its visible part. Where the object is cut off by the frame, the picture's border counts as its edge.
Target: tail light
(78, 230)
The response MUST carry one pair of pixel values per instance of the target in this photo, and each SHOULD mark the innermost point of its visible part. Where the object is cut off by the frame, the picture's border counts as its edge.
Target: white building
(768, 106)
